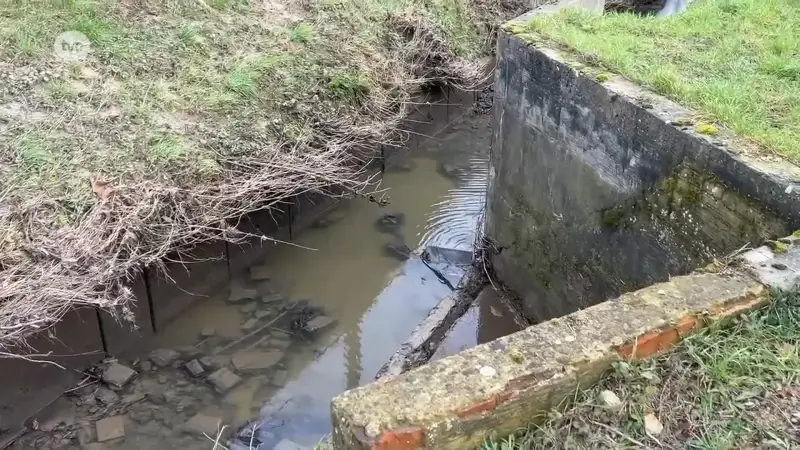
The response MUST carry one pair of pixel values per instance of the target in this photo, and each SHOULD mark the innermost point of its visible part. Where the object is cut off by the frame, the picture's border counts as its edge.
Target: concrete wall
(592, 192)
(456, 403)
(162, 295)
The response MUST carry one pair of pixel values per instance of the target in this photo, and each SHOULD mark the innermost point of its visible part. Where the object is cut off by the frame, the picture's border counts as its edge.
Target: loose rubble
(181, 395)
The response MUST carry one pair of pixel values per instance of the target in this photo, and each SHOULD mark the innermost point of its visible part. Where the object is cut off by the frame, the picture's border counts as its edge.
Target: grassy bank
(736, 62)
(724, 388)
(186, 114)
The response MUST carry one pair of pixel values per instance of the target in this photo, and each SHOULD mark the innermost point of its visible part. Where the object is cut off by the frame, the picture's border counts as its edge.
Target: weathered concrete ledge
(456, 402)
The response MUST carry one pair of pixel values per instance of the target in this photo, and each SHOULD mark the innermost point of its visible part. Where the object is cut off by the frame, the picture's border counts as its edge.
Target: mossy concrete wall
(593, 191)
(498, 387)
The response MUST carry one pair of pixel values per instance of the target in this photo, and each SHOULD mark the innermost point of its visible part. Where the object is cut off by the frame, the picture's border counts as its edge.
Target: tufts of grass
(730, 386)
(302, 33)
(348, 86)
(711, 58)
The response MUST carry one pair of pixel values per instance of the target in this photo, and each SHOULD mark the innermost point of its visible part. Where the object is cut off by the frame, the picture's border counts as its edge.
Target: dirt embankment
(184, 115)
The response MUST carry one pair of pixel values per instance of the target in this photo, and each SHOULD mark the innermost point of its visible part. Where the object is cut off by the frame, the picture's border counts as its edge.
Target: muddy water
(342, 269)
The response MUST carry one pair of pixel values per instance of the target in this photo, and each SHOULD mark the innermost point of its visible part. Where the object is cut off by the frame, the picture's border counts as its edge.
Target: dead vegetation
(187, 114)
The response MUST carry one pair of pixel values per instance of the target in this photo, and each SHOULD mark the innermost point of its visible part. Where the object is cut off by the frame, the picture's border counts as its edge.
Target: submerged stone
(195, 368)
(203, 424)
(319, 323)
(286, 444)
(390, 222)
(241, 294)
(110, 428)
(118, 375)
(163, 357)
(397, 250)
(254, 360)
(260, 273)
(223, 380)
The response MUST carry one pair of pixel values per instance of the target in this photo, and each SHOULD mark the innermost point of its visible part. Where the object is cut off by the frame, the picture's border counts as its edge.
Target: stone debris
(190, 352)
(259, 273)
(85, 434)
(262, 314)
(118, 375)
(279, 343)
(279, 378)
(272, 298)
(223, 380)
(208, 332)
(110, 428)
(610, 400)
(319, 323)
(286, 444)
(133, 398)
(146, 366)
(390, 222)
(652, 425)
(163, 357)
(247, 308)
(253, 360)
(106, 396)
(397, 250)
(194, 368)
(203, 424)
(241, 294)
(250, 325)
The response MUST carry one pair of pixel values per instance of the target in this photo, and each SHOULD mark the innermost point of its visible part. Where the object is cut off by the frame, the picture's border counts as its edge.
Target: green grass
(226, 66)
(724, 388)
(736, 62)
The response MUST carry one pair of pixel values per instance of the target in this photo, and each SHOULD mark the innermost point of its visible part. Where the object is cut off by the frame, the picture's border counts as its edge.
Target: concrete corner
(500, 386)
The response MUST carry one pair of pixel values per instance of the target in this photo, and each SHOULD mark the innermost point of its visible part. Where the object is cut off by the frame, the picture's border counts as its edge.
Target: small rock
(610, 400)
(163, 357)
(319, 323)
(398, 250)
(280, 378)
(162, 379)
(118, 375)
(260, 273)
(194, 368)
(253, 360)
(286, 444)
(780, 266)
(146, 366)
(223, 380)
(280, 343)
(247, 308)
(272, 298)
(133, 398)
(85, 434)
(241, 294)
(106, 396)
(190, 352)
(652, 425)
(110, 428)
(261, 314)
(250, 325)
(390, 222)
(208, 332)
(203, 424)
(448, 170)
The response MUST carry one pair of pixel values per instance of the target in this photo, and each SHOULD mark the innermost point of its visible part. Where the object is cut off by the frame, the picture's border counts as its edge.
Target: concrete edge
(773, 182)
(456, 402)
(427, 336)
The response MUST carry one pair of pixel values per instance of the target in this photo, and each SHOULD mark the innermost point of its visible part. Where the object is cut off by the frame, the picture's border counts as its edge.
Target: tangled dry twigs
(48, 268)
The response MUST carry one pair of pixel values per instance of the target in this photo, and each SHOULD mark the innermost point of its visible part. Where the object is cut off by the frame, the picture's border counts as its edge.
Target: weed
(242, 82)
(348, 86)
(726, 387)
(707, 129)
(302, 33)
